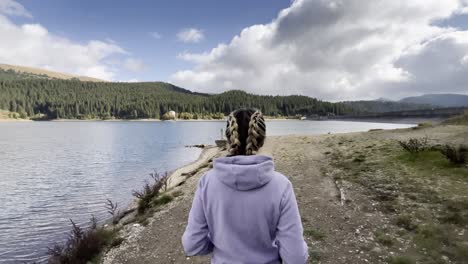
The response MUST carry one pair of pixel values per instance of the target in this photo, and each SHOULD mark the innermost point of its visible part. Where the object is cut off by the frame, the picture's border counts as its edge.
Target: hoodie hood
(244, 173)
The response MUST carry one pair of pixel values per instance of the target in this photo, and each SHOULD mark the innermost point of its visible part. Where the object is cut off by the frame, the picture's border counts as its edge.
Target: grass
(432, 162)
(421, 191)
(384, 239)
(457, 120)
(405, 221)
(315, 256)
(164, 199)
(314, 234)
(401, 260)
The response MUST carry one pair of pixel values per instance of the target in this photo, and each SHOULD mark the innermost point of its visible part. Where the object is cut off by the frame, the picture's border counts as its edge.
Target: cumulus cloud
(33, 45)
(340, 50)
(190, 35)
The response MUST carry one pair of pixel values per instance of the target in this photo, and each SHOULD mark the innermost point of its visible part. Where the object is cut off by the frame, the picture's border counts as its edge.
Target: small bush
(111, 208)
(456, 155)
(150, 191)
(415, 145)
(82, 245)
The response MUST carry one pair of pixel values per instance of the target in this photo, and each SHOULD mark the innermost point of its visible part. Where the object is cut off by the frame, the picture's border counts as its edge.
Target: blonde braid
(233, 135)
(254, 133)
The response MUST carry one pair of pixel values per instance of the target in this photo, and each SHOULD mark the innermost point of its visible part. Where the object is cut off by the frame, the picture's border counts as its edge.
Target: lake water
(51, 172)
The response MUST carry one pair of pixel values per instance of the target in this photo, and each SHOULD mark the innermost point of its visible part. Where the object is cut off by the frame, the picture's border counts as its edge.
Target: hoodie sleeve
(292, 247)
(196, 239)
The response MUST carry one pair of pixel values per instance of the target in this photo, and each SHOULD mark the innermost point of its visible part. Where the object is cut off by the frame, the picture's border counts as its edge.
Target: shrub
(112, 210)
(150, 191)
(456, 155)
(82, 245)
(415, 145)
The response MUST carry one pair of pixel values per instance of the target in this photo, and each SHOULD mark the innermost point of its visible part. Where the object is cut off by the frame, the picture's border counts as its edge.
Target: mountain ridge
(438, 100)
(51, 74)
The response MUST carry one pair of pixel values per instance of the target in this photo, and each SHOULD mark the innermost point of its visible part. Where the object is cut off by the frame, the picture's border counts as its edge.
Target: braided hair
(245, 132)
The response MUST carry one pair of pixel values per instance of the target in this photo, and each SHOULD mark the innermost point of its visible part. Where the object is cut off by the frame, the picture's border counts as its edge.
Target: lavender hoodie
(245, 212)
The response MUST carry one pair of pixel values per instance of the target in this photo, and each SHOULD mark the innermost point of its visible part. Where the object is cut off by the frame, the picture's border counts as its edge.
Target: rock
(377, 250)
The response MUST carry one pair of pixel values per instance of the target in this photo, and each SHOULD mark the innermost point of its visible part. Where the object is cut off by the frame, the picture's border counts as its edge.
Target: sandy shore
(344, 219)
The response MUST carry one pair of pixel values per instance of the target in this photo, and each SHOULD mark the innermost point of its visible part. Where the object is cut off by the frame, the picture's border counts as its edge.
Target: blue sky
(130, 24)
(329, 49)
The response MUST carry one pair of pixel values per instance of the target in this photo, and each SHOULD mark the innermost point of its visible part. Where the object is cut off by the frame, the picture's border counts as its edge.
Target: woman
(243, 210)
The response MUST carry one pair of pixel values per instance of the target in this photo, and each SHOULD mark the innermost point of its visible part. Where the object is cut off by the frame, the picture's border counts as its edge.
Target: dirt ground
(340, 219)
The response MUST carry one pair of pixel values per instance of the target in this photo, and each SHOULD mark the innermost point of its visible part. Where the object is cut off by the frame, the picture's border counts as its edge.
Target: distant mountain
(14, 72)
(382, 106)
(440, 100)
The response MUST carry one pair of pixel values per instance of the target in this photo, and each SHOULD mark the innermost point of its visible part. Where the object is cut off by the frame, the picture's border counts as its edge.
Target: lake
(51, 172)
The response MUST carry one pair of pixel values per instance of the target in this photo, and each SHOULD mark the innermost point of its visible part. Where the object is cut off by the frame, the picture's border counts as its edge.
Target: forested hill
(38, 96)
(73, 99)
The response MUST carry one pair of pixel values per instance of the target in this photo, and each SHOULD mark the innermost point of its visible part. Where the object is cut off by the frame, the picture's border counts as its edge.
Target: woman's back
(245, 212)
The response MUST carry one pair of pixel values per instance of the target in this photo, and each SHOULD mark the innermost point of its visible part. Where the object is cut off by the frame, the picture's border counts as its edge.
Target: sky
(329, 49)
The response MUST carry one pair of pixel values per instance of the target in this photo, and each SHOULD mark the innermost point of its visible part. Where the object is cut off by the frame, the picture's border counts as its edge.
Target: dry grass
(457, 120)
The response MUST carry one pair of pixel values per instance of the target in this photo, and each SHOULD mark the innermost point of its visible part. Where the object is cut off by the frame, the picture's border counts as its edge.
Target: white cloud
(33, 45)
(155, 35)
(190, 35)
(134, 65)
(339, 50)
(12, 8)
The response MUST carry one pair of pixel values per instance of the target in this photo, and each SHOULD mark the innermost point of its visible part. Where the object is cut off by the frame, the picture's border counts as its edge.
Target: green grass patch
(401, 260)
(405, 221)
(315, 234)
(164, 199)
(315, 256)
(384, 239)
(432, 162)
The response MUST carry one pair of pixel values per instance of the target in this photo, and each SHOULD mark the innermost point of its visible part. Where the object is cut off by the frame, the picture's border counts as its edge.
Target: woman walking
(243, 210)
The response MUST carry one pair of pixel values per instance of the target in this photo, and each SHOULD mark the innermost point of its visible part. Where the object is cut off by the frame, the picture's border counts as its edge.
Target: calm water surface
(51, 172)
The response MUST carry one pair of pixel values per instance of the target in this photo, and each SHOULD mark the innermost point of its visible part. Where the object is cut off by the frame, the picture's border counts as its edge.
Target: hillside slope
(41, 73)
(444, 100)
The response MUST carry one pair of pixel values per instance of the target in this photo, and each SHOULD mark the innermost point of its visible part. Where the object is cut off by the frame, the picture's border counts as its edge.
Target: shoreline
(130, 228)
(348, 211)
(176, 178)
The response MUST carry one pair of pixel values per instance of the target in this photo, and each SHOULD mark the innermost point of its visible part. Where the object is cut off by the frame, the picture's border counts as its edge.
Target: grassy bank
(423, 193)
(458, 120)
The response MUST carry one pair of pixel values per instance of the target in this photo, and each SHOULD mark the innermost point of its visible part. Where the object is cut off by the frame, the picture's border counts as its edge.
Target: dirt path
(335, 232)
